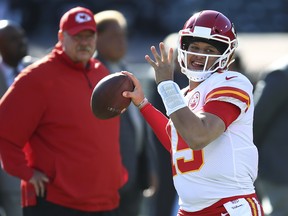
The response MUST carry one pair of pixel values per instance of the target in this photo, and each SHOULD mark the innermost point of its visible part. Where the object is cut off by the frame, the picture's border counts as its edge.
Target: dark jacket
(270, 125)
(27, 60)
(137, 158)
(138, 155)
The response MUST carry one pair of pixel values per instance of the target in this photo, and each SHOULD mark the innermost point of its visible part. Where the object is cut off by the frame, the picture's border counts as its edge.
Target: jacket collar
(58, 51)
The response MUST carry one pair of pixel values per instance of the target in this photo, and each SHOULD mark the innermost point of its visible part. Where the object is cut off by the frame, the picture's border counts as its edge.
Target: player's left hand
(163, 64)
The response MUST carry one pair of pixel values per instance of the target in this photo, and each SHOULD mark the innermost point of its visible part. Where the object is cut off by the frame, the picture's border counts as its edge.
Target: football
(107, 100)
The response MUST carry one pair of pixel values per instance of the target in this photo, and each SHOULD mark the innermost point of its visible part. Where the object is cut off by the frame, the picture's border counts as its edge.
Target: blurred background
(261, 24)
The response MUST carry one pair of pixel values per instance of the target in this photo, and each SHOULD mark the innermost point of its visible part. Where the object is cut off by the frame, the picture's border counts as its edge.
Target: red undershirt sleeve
(228, 112)
(158, 122)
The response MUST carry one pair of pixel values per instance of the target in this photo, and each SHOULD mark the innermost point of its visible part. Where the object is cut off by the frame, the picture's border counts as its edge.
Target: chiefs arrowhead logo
(194, 100)
(82, 17)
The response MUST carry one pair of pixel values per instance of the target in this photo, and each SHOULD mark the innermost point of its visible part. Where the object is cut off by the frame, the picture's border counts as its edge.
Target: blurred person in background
(13, 58)
(136, 145)
(69, 162)
(166, 197)
(238, 65)
(13, 52)
(270, 128)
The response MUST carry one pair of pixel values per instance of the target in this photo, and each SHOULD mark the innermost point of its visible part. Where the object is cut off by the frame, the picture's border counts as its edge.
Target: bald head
(13, 42)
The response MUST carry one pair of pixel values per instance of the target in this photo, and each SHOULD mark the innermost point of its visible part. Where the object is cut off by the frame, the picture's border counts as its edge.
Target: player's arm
(200, 129)
(158, 122)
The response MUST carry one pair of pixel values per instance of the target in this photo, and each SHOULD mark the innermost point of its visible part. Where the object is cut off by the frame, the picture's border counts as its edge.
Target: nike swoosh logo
(228, 78)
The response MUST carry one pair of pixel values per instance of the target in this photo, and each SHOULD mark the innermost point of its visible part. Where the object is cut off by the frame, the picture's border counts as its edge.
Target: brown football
(107, 100)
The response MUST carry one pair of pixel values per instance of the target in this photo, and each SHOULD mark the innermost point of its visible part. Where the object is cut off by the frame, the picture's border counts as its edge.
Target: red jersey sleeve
(158, 122)
(228, 112)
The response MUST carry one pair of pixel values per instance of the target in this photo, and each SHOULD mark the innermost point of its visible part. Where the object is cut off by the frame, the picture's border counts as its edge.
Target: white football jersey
(226, 167)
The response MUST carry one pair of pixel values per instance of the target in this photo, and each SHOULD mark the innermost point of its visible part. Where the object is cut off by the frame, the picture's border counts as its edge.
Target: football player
(209, 130)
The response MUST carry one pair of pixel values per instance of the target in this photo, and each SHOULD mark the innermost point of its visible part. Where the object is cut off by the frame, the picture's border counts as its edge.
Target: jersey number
(194, 163)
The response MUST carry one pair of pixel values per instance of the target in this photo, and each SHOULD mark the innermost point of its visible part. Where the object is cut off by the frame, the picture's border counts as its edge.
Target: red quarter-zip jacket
(46, 124)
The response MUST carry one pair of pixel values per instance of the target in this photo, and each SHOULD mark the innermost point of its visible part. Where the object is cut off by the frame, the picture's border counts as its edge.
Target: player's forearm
(197, 130)
(158, 123)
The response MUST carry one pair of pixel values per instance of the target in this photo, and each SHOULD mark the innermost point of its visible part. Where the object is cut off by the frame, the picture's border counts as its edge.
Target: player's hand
(137, 95)
(38, 180)
(163, 64)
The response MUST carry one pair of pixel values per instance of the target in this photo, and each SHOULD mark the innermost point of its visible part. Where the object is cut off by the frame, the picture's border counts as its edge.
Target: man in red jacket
(69, 161)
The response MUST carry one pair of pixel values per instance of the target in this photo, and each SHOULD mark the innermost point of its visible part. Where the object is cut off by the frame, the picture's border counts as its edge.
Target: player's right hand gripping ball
(107, 100)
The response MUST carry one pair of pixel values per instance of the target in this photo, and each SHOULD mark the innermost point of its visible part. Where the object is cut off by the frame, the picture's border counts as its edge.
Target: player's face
(197, 62)
(79, 47)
